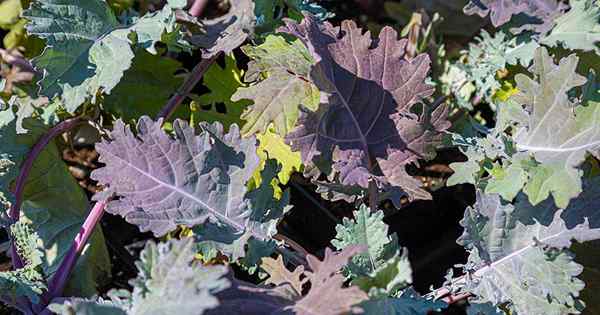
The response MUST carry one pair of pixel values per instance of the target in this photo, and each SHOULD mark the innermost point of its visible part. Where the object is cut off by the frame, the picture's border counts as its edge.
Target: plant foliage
(218, 126)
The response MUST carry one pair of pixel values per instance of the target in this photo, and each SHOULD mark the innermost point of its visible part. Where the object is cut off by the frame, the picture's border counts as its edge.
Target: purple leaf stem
(59, 279)
(198, 7)
(191, 81)
(15, 208)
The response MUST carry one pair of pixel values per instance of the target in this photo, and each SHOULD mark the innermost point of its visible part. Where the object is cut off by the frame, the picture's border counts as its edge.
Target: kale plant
(212, 124)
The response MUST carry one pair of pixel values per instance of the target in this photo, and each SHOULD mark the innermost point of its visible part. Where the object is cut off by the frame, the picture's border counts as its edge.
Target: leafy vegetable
(166, 270)
(189, 179)
(227, 32)
(277, 98)
(265, 93)
(518, 251)
(549, 127)
(361, 145)
(145, 87)
(223, 83)
(54, 205)
(578, 28)
(87, 48)
(28, 281)
(326, 295)
(542, 12)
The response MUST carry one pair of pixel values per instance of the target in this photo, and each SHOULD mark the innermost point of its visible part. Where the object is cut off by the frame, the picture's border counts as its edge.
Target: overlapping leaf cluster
(349, 111)
(535, 190)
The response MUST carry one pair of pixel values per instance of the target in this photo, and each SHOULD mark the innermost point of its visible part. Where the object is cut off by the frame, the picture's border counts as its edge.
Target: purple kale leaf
(162, 181)
(366, 128)
(327, 294)
(224, 33)
(535, 15)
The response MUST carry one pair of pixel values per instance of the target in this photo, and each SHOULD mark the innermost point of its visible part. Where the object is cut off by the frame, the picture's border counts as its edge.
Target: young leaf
(366, 229)
(365, 126)
(272, 146)
(492, 54)
(87, 50)
(277, 98)
(28, 281)
(519, 251)
(169, 281)
(540, 139)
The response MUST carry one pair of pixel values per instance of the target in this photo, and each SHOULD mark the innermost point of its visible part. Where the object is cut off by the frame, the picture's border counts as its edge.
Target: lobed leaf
(188, 179)
(519, 252)
(367, 229)
(577, 29)
(227, 32)
(284, 88)
(365, 128)
(222, 83)
(169, 281)
(87, 49)
(539, 14)
(326, 295)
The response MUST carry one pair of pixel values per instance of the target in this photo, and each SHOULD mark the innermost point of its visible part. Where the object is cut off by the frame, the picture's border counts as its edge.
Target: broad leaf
(285, 86)
(326, 295)
(557, 132)
(518, 252)
(538, 13)
(227, 32)
(364, 127)
(188, 179)
(87, 49)
(577, 29)
(145, 87)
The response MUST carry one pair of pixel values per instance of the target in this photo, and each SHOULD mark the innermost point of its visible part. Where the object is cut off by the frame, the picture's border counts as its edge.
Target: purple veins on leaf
(367, 125)
(162, 180)
(327, 293)
(539, 14)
